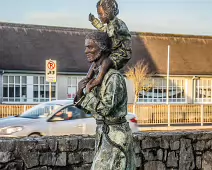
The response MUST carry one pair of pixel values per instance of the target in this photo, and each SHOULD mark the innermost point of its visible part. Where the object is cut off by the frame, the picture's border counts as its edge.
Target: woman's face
(92, 51)
(102, 15)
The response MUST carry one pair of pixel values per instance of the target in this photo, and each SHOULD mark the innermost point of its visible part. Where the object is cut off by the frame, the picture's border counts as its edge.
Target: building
(24, 49)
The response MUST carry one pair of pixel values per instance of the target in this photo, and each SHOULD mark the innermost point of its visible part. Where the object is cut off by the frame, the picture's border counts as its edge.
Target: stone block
(31, 159)
(87, 143)
(6, 157)
(199, 146)
(154, 165)
(149, 143)
(48, 159)
(67, 144)
(186, 155)
(206, 160)
(7, 145)
(88, 156)
(61, 159)
(174, 145)
(74, 158)
(52, 142)
(172, 160)
(199, 162)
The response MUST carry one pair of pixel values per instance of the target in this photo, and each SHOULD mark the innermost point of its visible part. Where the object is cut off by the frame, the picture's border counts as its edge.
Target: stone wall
(154, 151)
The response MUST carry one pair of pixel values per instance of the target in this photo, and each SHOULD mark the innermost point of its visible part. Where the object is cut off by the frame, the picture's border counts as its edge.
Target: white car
(53, 118)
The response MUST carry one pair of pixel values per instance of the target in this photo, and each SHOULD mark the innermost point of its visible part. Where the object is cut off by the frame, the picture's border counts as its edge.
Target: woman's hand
(81, 85)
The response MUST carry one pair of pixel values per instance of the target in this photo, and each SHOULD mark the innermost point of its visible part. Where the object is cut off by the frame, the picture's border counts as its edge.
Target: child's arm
(96, 23)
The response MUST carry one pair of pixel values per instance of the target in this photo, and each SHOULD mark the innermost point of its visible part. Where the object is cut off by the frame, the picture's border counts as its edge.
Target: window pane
(41, 80)
(5, 91)
(11, 79)
(42, 91)
(5, 99)
(24, 89)
(155, 90)
(72, 92)
(24, 80)
(74, 81)
(53, 94)
(53, 88)
(47, 91)
(35, 80)
(17, 91)
(11, 91)
(11, 99)
(17, 99)
(5, 79)
(35, 91)
(17, 79)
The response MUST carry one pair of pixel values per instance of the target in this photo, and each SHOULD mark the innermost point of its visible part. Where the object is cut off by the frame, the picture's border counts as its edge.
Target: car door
(65, 122)
(90, 125)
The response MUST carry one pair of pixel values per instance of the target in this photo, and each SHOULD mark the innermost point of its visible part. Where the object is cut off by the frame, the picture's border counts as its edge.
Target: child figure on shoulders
(120, 38)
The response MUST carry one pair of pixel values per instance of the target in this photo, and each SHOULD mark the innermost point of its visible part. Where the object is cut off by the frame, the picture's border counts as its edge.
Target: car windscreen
(39, 111)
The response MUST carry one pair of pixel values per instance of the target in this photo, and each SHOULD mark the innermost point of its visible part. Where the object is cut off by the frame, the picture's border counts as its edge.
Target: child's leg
(90, 73)
(106, 65)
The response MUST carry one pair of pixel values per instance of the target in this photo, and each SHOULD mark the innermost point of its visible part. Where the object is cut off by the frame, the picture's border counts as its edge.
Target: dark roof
(26, 47)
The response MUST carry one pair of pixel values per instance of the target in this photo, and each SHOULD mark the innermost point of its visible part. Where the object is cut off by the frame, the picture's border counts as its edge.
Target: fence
(179, 114)
(146, 114)
(13, 110)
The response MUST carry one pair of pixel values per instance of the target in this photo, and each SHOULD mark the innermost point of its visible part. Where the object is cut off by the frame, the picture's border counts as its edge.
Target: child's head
(107, 10)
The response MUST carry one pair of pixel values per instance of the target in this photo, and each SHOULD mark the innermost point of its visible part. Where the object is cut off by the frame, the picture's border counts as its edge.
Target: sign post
(51, 74)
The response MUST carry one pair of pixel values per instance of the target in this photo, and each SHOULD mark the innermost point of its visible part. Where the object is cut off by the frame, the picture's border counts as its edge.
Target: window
(156, 91)
(14, 88)
(203, 91)
(41, 89)
(69, 113)
(73, 86)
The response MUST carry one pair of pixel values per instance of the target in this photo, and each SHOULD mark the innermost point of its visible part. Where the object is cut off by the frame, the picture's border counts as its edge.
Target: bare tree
(140, 77)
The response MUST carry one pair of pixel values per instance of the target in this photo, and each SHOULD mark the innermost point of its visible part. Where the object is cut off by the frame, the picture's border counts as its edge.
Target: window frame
(14, 84)
(199, 87)
(70, 85)
(175, 84)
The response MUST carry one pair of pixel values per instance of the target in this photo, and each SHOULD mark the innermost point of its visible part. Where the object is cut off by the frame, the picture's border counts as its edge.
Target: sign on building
(51, 71)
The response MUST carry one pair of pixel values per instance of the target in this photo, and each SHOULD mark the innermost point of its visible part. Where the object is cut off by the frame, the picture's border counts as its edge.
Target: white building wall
(130, 91)
(1, 88)
(62, 85)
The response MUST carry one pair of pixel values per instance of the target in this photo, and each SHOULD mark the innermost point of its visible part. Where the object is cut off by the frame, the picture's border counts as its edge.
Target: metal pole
(167, 85)
(202, 115)
(50, 91)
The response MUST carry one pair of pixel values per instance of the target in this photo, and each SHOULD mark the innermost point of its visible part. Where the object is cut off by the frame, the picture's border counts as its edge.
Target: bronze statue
(108, 105)
(120, 38)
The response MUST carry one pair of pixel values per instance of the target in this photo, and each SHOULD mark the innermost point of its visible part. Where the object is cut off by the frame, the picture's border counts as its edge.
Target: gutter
(42, 72)
(190, 76)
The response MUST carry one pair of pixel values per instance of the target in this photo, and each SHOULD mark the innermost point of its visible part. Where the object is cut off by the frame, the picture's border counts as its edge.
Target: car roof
(60, 102)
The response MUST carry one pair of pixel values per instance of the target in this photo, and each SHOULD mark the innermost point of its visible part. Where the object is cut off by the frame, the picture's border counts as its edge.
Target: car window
(69, 113)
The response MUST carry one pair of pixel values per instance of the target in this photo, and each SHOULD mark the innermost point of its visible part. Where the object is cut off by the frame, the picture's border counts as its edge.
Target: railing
(13, 110)
(179, 114)
(146, 114)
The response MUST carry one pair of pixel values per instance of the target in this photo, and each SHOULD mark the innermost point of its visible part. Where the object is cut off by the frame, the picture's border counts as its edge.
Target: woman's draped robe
(108, 104)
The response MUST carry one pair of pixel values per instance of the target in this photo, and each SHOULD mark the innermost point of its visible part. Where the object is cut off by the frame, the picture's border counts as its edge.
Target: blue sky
(161, 16)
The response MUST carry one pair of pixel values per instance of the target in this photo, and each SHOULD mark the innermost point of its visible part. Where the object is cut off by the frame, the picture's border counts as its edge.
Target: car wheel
(35, 135)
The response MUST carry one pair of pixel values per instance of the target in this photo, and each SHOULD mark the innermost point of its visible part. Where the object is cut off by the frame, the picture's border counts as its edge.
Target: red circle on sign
(51, 65)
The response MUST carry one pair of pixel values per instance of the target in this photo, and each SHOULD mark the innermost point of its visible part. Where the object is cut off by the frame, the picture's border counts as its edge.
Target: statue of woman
(108, 105)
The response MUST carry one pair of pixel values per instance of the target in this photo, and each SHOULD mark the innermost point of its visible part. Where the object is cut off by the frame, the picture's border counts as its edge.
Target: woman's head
(96, 44)
(107, 10)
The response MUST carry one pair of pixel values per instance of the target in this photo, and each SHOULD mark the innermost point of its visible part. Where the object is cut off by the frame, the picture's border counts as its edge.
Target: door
(65, 122)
